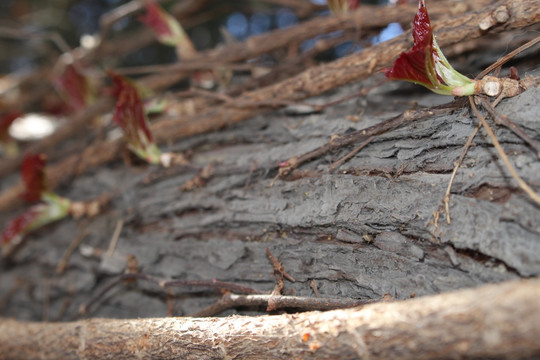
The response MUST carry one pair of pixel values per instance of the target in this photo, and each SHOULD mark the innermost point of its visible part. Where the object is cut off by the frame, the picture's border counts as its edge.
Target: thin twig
(278, 266)
(522, 184)
(340, 162)
(232, 102)
(115, 237)
(507, 57)
(362, 92)
(53, 36)
(166, 284)
(504, 120)
(457, 164)
(63, 263)
(279, 302)
(344, 140)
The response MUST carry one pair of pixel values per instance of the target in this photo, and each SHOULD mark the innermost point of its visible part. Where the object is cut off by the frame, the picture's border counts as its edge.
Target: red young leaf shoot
(168, 29)
(74, 87)
(130, 116)
(157, 19)
(51, 208)
(33, 175)
(20, 225)
(426, 65)
(8, 145)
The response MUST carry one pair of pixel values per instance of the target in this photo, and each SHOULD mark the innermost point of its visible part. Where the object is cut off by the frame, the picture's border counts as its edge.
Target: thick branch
(495, 321)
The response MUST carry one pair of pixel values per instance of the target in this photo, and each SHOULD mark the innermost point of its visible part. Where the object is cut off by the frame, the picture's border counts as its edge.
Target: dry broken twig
(131, 275)
(274, 302)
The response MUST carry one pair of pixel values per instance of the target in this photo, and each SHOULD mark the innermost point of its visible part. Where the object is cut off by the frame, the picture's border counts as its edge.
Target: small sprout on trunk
(168, 30)
(130, 116)
(74, 88)
(426, 65)
(51, 207)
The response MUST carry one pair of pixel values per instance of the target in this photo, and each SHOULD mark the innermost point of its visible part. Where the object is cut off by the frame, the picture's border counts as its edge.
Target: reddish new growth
(51, 207)
(425, 64)
(168, 30)
(130, 116)
(74, 88)
(155, 19)
(412, 64)
(33, 175)
(8, 145)
(18, 225)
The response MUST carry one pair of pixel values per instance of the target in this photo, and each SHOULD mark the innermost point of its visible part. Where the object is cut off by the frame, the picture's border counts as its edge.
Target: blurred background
(27, 27)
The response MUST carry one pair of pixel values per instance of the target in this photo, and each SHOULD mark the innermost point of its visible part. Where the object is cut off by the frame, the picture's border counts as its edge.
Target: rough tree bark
(361, 232)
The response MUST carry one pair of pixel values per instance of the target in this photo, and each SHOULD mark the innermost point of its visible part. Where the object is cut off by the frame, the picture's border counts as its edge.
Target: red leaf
(33, 175)
(129, 112)
(155, 19)
(425, 63)
(74, 88)
(413, 65)
(422, 32)
(20, 225)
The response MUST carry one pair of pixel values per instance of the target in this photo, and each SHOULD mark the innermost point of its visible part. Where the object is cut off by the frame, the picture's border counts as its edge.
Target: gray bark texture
(361, 232)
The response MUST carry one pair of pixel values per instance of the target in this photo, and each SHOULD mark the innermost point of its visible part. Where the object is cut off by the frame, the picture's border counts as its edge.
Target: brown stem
(275, 302)
(500, 321)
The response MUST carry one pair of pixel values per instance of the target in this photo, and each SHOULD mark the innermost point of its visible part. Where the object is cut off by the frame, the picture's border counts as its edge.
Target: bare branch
(496, 321)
